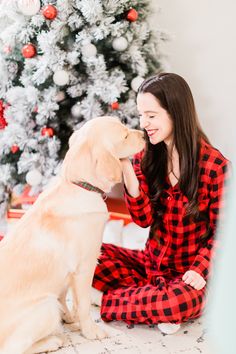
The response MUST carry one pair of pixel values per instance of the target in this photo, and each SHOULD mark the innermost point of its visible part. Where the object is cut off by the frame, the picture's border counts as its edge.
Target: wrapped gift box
(20, 203)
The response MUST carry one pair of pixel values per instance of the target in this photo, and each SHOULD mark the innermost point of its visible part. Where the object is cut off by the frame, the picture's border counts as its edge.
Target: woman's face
(154, 119)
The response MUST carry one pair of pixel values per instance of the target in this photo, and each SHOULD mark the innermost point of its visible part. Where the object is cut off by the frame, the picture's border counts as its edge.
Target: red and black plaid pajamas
(146, 286)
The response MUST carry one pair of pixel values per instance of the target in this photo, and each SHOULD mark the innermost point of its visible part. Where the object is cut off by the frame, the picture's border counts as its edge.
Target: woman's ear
(108, 166)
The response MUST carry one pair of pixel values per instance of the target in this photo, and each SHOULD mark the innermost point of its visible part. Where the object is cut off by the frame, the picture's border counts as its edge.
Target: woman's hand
(194, 279)
(130, 180)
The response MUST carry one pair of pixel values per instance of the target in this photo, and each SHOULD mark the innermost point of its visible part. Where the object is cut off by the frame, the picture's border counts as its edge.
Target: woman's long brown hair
(174, 95)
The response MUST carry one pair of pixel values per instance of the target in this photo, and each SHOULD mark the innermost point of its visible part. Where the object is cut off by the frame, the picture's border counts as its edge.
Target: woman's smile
(151, 132)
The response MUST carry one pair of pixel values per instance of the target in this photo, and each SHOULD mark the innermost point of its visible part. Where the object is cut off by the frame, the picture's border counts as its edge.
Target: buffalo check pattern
(145, 286)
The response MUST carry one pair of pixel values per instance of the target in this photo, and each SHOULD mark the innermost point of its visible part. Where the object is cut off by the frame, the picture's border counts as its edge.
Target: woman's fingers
(187, 277)
(197, 284)
(193, 283)
(188, 280)
(194, 279)
(200, 284)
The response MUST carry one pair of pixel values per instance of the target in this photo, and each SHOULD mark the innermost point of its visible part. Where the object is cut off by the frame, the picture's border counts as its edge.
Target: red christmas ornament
(29, 51)
(47, 132)
(14, 148)
(50, 12)
(115, 105)
(1, 106)
(3, 122)
(132, 15)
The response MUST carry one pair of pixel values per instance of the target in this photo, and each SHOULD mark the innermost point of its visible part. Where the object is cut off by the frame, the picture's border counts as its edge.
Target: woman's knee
(109, 250)
(186, 302)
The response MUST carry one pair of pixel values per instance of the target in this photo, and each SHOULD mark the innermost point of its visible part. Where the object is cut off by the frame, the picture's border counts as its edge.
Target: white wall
(203, 51)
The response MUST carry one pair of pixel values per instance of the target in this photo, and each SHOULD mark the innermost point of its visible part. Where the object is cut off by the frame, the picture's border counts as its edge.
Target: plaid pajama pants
(131, 296)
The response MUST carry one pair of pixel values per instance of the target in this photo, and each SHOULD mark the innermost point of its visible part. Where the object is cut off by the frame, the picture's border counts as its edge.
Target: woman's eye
(141, 116)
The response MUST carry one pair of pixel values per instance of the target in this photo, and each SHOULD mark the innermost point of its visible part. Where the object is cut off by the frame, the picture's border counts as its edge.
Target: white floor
(142, 339)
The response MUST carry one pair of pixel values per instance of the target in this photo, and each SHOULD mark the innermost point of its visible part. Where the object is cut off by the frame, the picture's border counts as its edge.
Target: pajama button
(169, 198)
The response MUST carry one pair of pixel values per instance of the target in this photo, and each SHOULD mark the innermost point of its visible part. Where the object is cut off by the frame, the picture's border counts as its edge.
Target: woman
(175, 186)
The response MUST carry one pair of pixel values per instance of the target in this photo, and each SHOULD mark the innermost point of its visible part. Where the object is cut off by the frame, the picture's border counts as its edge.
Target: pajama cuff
(136, 203)
(201, 266)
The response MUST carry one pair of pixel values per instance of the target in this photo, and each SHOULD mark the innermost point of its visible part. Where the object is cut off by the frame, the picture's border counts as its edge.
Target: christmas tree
(64, 62)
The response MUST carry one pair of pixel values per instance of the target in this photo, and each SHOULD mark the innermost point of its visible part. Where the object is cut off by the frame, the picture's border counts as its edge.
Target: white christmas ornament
(120, 44)
(76, 110)
(28, 7)
(61, 77)
(136, 82)
(33, 177)
(89, 50)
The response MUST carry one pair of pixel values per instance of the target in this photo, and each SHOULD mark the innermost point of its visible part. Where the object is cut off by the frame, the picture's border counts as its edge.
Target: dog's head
(95, 150)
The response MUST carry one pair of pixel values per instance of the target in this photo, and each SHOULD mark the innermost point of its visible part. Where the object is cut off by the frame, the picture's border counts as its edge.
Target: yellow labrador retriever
(57, 242)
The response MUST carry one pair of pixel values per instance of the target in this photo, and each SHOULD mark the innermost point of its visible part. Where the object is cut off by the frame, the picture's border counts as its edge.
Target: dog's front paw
(93, 331)
(67, 317)
(73, 327)
(70, 317)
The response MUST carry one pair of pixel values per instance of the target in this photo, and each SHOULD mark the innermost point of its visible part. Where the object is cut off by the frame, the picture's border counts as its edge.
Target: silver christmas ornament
(76, 110)
(34, 177)
(61, 77)
(136, 82)
(28, 7)
(89, 50)
(120, 44)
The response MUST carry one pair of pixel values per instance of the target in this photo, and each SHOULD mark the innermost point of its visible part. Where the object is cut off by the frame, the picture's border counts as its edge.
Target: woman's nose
(143, 122)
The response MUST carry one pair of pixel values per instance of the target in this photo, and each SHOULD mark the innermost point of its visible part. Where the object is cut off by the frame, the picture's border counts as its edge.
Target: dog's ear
(78, 155)
(108, 166)
(73, 138)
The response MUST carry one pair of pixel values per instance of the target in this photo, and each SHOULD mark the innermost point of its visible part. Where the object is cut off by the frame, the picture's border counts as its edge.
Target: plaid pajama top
(178, 243)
